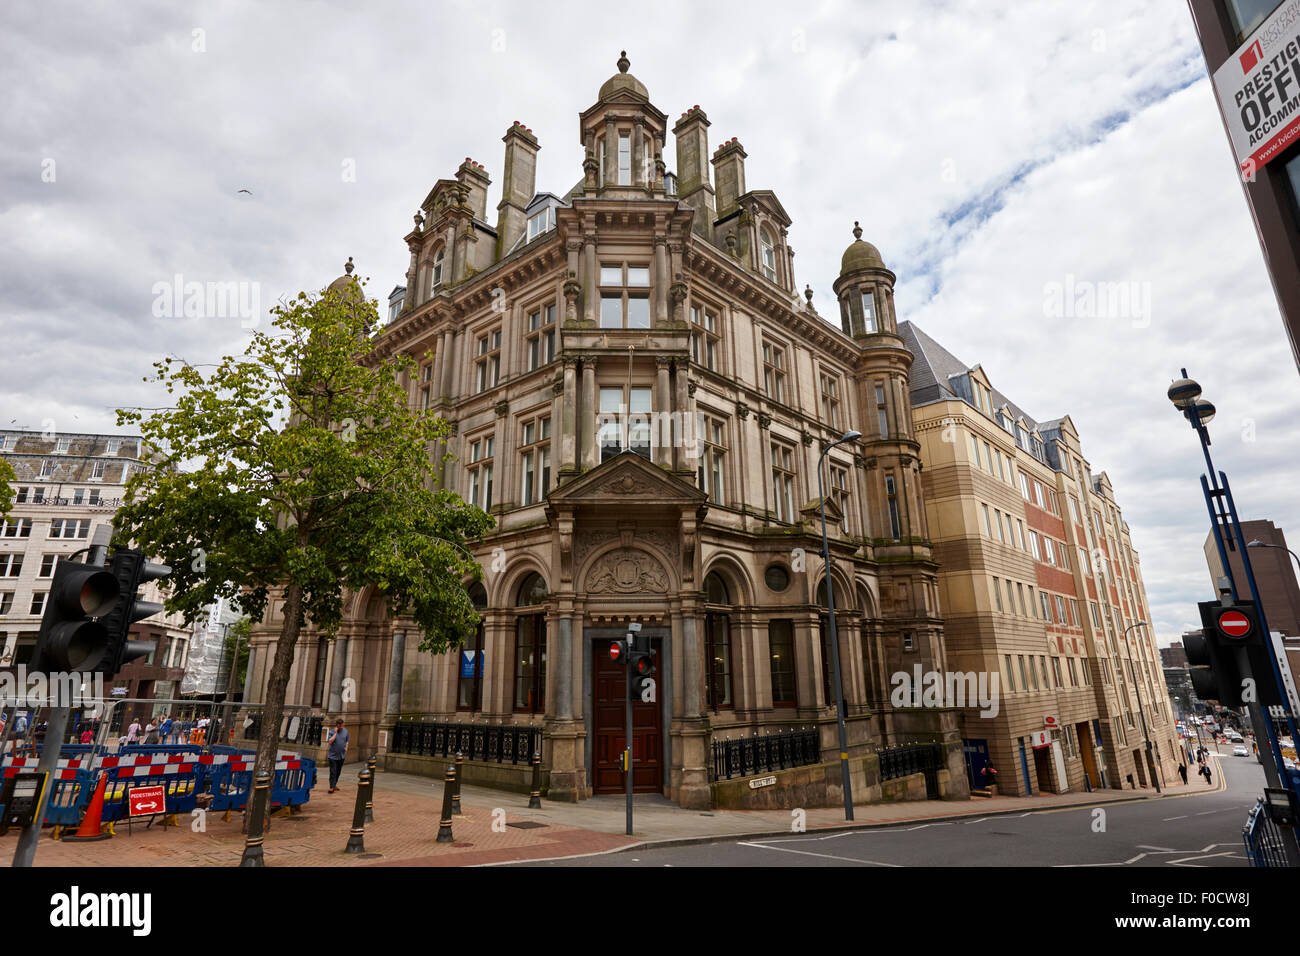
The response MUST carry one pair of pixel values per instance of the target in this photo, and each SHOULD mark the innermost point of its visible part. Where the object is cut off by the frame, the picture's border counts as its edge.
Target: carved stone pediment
(627, 571)
(627, 478)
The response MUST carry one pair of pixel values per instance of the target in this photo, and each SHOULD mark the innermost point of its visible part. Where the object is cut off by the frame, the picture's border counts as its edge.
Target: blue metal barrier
(181, 792)
(1262, 838)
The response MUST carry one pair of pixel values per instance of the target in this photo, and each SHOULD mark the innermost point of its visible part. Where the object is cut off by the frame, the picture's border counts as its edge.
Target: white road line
(1203, 856)
(825, 856)
(969, 822)
(1182, 817)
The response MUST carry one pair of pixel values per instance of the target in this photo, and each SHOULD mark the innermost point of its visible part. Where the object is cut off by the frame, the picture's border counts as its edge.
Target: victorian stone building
(640, 394)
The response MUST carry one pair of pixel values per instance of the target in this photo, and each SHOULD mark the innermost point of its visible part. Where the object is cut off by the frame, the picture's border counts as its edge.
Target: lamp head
(851, 436)
(1183, 393)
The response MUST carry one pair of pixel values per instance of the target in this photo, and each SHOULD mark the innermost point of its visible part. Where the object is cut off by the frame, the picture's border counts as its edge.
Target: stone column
(396, 664)
(682, 406)
(587, 440)
(569, 417)
(662, 435)
(661, 281)
(563, 668)
(692, 703)
(611, 153)
(590, 279)
(338, 672)
(437, 387)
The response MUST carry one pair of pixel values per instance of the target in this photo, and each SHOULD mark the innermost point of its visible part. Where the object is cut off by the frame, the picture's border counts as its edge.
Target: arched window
(469, 681)
(530, 647)
(437, 269)
(717, 642)
(768, 251)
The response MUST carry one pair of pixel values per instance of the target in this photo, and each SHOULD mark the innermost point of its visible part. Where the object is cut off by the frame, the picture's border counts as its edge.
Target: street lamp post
(1185, 394)
(1137, 680)
(835, 644)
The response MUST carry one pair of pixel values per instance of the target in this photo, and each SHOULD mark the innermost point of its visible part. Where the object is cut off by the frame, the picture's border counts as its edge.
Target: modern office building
(1274, 574)
(1038, 581)
(1250, 49)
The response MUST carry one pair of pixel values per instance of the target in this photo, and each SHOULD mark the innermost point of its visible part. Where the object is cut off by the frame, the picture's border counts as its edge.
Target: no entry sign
(1234, 624)
(145, 801)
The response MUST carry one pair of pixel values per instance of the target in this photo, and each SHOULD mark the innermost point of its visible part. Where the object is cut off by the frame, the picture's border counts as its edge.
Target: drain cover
(527, 825)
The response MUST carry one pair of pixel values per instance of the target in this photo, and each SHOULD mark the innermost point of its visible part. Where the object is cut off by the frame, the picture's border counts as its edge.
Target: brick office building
(1039, 581)
(640, 395)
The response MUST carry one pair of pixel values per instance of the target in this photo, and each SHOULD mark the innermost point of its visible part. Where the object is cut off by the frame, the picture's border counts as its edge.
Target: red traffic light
(616, 651)
(643, 665)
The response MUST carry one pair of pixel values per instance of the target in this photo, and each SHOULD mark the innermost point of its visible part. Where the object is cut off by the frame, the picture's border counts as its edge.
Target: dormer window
(541, 222)
(768, 250)
(869, 311)
(63, 445)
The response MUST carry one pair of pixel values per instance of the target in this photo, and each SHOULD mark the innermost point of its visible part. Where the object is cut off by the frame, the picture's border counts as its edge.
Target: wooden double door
(609, 690)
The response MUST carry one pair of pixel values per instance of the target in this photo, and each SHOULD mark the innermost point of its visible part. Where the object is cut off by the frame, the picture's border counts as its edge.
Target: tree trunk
(277, 684)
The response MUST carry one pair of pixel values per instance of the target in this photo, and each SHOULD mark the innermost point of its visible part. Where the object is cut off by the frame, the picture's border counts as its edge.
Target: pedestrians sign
(145, 801)
(1234, 624)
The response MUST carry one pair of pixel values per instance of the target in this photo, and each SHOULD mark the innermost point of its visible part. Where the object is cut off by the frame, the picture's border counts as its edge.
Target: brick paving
(407, 810)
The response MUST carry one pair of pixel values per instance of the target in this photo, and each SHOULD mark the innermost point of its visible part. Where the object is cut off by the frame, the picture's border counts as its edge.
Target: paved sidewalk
(407, 809)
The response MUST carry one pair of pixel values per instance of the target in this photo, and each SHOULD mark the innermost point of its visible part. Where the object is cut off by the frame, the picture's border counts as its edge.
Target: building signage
(471, 663)
(762, 782)
(1259, 90)
(145, 801)
(1040, 738)
(1050, 721)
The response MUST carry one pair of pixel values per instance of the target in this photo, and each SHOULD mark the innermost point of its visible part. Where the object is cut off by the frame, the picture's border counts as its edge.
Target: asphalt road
(1201, 829)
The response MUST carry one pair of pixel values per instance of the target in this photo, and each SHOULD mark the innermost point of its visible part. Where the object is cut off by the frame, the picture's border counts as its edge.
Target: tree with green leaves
(6, 489)
(299, 472)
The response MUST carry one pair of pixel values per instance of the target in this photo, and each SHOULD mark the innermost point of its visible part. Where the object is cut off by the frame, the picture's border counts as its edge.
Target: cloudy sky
(995, 152)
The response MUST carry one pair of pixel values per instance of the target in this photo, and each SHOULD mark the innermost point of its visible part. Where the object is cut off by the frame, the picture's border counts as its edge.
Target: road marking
(1182, 817)
(825, 856)
(1203, 856)
(980, 820)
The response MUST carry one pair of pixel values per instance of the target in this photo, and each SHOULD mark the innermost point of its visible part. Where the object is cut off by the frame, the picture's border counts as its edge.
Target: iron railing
(914, 758)
(746, 756)
(487, 742)
(1262, 838)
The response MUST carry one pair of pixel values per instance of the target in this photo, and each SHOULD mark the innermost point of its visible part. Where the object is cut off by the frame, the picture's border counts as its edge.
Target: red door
(610, 689)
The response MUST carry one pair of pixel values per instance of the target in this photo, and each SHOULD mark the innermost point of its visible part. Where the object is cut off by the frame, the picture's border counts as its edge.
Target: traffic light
(642, 665)
(130, 570)
(1213, 655)
(71, 638)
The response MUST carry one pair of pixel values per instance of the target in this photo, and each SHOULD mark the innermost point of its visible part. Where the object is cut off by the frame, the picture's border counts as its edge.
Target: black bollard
(535, 797)
(356, 839)
(444, 827)
(257, 808)
(455, 796)
(370, 796)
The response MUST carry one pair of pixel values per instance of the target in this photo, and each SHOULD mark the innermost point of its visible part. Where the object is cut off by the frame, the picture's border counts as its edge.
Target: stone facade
(640, 397)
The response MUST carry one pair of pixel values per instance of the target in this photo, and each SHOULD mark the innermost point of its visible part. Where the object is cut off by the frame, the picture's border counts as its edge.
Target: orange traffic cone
(91, 823)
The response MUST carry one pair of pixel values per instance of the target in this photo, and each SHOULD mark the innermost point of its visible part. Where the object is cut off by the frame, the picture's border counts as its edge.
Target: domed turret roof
(346, 282)
(623, 80)
(860, 255)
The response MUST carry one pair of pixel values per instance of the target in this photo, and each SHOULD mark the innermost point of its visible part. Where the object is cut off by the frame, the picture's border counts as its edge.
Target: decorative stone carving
(691, 387)
(764, 420)
(503, 408)
(807, 438)
(742, 411)
(627, 485)
(627, 571)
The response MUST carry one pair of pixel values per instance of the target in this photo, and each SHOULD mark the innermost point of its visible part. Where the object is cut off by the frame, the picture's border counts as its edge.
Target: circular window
(777, 577)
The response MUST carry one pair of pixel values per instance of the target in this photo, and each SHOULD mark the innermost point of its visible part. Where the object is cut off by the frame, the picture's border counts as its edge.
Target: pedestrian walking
(165, 730)
(338, 751)
(1182, 772)
(133, 732)
(1205, 772)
